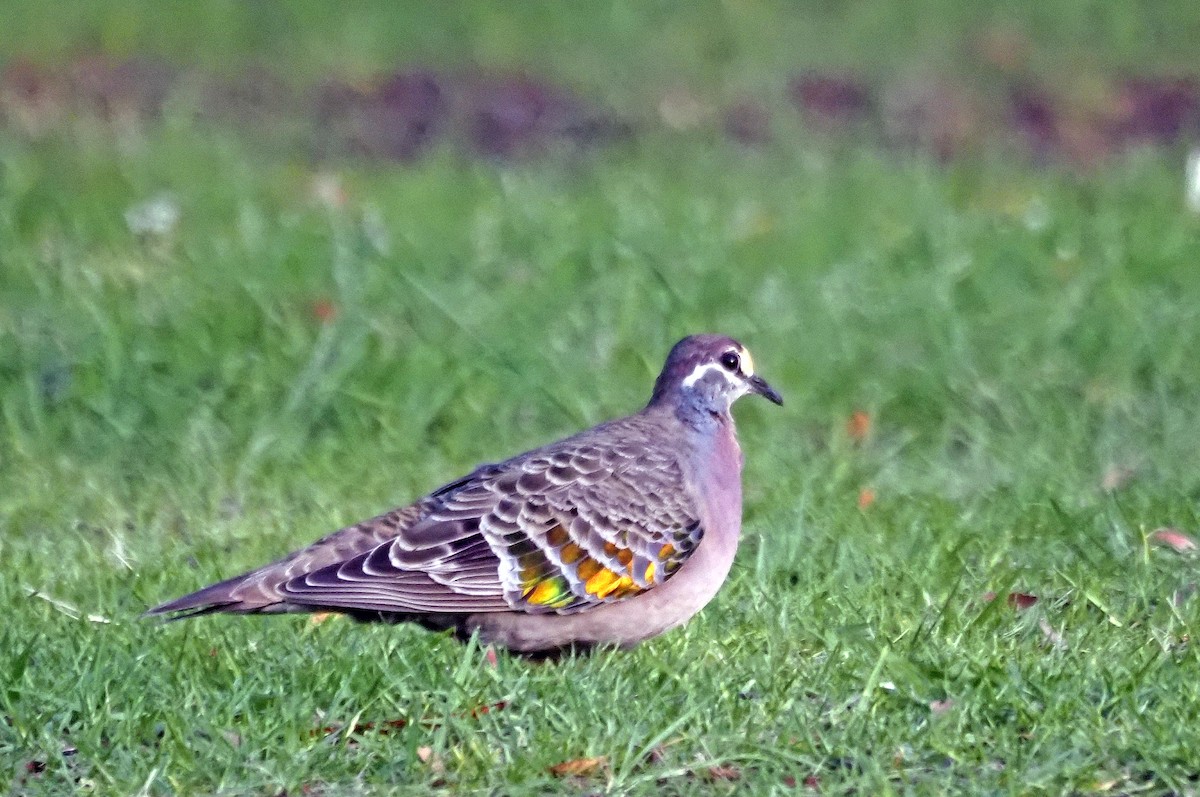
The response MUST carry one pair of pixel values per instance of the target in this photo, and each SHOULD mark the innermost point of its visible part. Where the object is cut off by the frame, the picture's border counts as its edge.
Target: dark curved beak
(759, 385)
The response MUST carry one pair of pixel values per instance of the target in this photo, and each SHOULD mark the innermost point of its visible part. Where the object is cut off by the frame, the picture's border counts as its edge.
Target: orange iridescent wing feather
(543, 585)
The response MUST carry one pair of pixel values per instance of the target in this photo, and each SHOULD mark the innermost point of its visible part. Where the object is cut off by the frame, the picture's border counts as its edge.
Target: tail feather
(231, 595)
(257, 591)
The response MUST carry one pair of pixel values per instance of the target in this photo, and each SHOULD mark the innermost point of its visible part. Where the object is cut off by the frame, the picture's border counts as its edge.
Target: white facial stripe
(698, 373)
(703, 370)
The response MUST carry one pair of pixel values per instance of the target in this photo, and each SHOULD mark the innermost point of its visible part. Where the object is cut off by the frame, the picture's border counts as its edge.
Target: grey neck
(697, 414)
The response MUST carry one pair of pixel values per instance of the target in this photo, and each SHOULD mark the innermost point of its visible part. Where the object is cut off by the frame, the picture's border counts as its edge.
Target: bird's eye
(730, 361)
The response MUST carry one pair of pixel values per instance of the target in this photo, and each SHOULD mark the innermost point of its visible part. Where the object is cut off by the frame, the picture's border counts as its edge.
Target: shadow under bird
(610, 536)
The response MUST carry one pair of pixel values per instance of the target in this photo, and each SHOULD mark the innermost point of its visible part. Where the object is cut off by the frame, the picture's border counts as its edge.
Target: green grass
(172, 411)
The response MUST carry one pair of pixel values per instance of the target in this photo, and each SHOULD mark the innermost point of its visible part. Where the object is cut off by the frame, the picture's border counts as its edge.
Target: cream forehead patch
(747, 363)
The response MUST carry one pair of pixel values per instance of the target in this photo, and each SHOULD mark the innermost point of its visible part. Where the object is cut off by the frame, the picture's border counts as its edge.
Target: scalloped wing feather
(566, 527)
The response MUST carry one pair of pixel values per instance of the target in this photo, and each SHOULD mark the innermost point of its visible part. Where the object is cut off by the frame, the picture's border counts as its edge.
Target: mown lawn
(949, 579)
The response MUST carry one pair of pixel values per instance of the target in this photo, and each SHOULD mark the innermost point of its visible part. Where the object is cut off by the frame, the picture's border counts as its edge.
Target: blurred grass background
(232, 319)
(620, 49)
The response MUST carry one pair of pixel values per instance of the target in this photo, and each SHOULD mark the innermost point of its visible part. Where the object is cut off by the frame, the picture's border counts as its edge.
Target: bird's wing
(557, 530)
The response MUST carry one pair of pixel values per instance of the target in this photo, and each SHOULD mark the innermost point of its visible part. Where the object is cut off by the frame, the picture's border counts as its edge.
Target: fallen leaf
(725, 772)
(427, 756)
(1022, 600)
(323, 310)
(858, 426)
(1017, 600)
(579, 767)
(487, 708)
(657, 754)
(35, 767)
(363, 727)
(490, 656)
(1174, 539)
(941, 706)
(866, 497)
(1052, 636)
(316, 618)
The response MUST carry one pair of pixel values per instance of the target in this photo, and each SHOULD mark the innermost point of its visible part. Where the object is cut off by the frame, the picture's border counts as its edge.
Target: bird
(610, 536)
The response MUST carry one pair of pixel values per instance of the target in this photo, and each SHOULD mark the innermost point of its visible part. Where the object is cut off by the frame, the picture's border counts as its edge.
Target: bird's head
(708, 373)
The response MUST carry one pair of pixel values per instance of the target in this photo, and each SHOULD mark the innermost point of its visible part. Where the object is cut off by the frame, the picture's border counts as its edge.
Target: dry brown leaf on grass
(324, 311)
(427, 756)
(866, 498)
(580, 767)
(858, 425)
(1018, 600)
(811, 782)
(941, 706)
(724, 772)
(1022, 600)
(657, 754)
(1053, 637)
(1174, 539)
(487, 708)
(384, 728)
